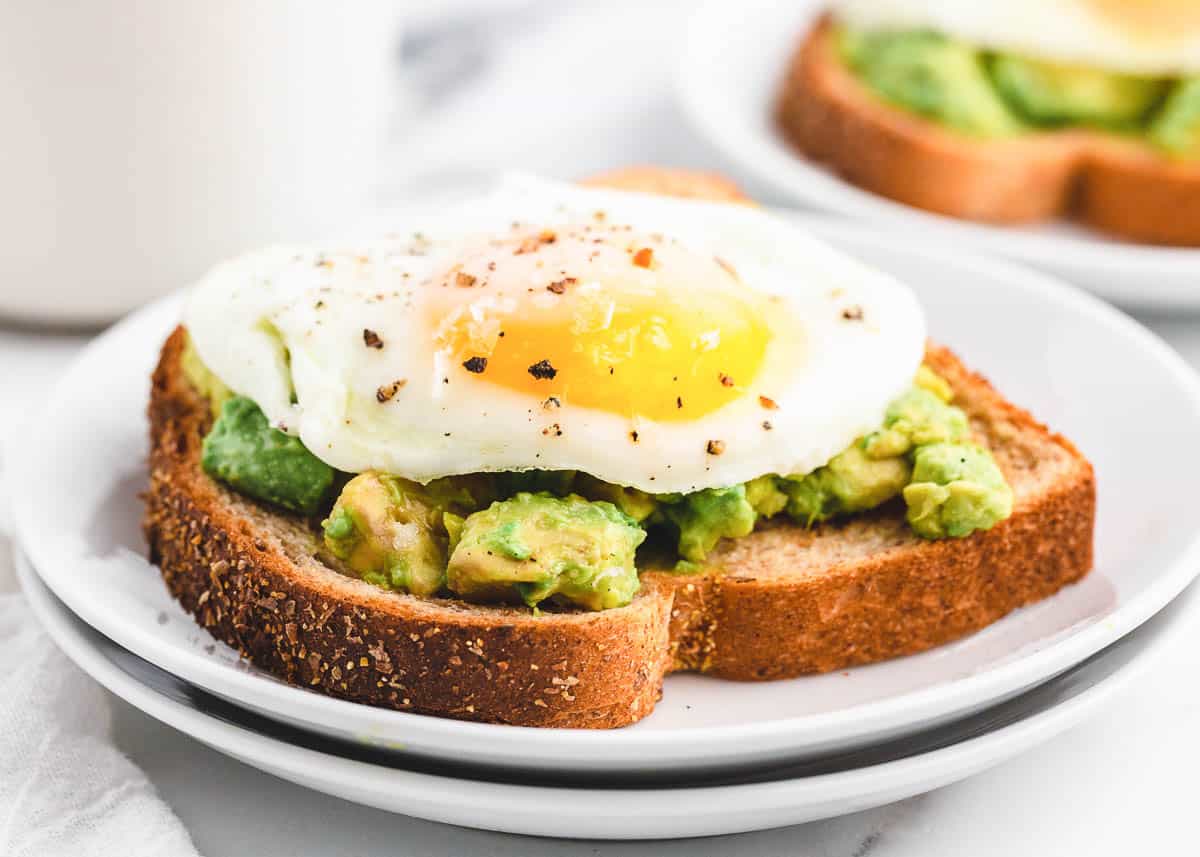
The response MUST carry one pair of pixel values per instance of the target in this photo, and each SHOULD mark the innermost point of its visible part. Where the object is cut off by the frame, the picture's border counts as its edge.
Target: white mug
(143, 141)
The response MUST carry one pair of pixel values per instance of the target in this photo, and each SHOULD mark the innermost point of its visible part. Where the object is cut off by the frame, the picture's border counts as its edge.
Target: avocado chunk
(1046, 93)
(244, 452)
(705, 517)
(393, 533)
(1176, 128)
(956, 489)
(636, 504)
(930, 75)
(532, 547)
(765, 496)
(851, 482)
(913, 419)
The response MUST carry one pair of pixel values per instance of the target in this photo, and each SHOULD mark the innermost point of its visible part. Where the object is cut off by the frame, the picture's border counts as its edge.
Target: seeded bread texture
(782, 602)
(1121, 186)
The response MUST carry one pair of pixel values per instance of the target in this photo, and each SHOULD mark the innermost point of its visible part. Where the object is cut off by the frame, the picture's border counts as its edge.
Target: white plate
(731, 69)
(808, 792)
(1130, 403)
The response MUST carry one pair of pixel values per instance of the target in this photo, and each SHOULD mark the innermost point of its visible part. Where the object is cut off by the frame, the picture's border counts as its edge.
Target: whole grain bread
(781, 602)
(1121, 186)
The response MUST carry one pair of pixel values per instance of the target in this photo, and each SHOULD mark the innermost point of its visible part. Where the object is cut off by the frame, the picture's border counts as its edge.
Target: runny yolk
(604, 319)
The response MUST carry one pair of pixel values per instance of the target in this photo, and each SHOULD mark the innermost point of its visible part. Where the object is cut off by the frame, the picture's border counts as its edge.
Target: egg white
(1068, 31)
(316, 302)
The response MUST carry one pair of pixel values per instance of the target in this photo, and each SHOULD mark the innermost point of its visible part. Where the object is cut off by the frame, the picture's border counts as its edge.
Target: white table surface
(1120, 784)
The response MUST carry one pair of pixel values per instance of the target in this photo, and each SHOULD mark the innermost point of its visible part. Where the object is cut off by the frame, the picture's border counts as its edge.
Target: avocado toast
(931, 122)
(781, 600)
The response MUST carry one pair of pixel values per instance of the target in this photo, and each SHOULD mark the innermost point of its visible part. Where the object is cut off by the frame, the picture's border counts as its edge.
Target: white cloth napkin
(65, 788)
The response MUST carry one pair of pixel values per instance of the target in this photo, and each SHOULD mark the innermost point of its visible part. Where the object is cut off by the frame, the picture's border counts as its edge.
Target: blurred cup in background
(142, 141)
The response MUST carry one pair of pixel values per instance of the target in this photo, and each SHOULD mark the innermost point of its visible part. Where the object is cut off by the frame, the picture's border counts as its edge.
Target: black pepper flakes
(558, 287)
(726, 381)
(371, 339)
(387, 391)
(766, 424)
(475, 364)
(553, 430)
(715, 447)
(853, 313)
(552, 402)
(679, 401)
(633, 435)
(464, 280)
(542, 370)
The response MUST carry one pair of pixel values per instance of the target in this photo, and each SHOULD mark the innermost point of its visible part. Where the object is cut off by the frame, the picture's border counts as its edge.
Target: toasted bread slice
(781, 602)
(1118, 185)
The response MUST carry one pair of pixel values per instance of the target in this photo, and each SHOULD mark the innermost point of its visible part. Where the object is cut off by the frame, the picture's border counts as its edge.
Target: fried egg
(1152, 37)
(664, 344)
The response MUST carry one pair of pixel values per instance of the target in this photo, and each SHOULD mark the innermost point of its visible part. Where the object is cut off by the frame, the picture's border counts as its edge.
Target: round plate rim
(956, 695)
(808, 798)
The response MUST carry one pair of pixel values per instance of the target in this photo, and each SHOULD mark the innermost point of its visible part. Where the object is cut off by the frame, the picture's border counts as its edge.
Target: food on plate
(526, 455)
(1010, 112)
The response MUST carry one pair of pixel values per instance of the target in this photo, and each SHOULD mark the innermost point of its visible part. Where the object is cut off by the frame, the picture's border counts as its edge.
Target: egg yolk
(1164, 19)
(603, 318)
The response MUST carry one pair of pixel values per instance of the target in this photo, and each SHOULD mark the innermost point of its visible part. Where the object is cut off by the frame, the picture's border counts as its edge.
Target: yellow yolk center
(603, 318)
(1163, 19)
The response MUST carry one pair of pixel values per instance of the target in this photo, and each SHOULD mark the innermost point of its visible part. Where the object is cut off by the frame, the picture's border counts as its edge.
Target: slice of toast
(1118, 185)
(781, 602)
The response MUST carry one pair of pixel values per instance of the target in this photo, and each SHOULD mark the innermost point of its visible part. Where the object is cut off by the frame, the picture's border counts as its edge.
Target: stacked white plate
(715, 757)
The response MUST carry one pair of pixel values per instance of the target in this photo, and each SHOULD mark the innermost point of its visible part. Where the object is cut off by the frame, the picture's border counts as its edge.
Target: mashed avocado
(705, 517)
(851, 482)
(1176, 129)
(1001, 94)
(915, 418)
(532, 547)
(956, 489)
(244, 452)
(636, 504)
(1045, 93)
(395, 533)
(931, 75)
(567, 536)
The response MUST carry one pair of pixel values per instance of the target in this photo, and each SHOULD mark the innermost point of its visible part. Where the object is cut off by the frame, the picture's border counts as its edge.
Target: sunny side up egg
(1153, 37)
(664, 344)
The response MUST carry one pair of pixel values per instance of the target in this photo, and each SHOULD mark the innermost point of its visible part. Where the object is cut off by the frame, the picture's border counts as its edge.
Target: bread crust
(1122, 187)
(782, 602)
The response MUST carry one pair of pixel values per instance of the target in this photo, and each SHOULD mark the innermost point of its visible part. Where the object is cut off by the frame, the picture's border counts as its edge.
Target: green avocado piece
(931, 75)
(1176, 128)
(851, 482)
(956, 489)
(765, 497)
(531, 547)
(705, 517)
(915, 418)
(929, 380)
(244, 452)
(636, 504)
(1046, 93)
(395, 533)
